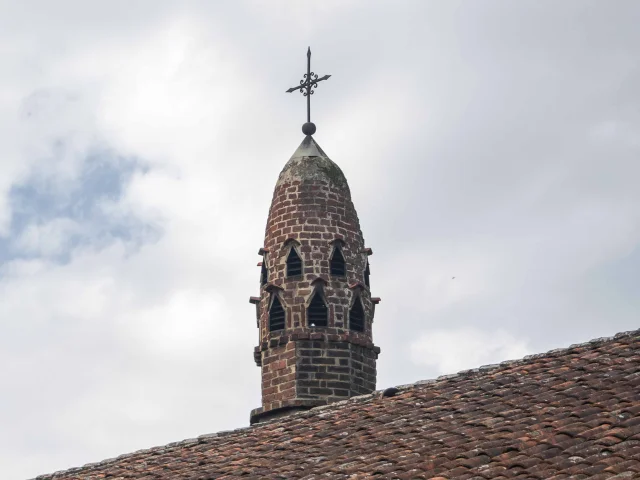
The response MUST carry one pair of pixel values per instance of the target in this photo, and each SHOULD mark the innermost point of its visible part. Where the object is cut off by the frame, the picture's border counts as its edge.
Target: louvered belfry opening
(264, 274)
(338, 266)
(356, 316)
(367, 272)
(317, 312)
(294, 263)
(276, 315)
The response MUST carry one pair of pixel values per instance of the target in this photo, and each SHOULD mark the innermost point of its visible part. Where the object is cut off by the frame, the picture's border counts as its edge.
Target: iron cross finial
(307, 84)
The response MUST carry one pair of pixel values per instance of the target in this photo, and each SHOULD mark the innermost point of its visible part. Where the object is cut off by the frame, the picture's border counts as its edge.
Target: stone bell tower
(315, 310)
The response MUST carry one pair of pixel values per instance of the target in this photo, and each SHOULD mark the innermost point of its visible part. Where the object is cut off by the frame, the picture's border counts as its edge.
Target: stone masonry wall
(278, 373)
(334, 370)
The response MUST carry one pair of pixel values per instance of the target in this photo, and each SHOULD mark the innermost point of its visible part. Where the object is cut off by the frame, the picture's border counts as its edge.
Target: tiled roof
(566, 414)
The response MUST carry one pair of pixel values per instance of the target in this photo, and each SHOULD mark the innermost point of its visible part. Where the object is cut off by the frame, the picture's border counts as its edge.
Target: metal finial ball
(309, 128)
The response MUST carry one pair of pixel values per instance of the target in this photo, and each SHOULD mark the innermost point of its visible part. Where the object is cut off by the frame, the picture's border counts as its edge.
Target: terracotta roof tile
(568, 414)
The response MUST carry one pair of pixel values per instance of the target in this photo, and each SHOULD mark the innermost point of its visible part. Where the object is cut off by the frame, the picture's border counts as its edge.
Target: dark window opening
(356, 316)
(294, 263)
(338, 266)
(317, 313)
(264, 274)
(367, 272)
(276, 315)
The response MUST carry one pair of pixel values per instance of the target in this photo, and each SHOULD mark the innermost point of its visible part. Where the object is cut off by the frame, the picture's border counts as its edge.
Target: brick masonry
(305, 366)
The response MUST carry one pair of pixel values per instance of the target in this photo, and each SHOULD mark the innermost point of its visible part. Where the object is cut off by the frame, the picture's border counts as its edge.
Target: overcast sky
(494, 142)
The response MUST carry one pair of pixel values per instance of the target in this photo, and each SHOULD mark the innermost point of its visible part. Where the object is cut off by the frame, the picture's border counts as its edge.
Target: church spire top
(307, 84)
(315, 310)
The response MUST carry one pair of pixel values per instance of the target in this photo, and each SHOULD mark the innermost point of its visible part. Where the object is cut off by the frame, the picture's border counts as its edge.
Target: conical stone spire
(317, 278)
(309, 163)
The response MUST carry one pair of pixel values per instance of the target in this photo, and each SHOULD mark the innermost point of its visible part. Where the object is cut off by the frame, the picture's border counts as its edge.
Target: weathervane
(307, 84)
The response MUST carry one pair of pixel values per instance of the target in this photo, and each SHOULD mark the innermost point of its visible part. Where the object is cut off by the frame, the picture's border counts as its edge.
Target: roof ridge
(556, 352)
(463, 374)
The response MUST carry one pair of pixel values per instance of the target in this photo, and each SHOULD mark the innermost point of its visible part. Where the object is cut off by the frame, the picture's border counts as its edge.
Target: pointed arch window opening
(276, 314)
(264, 273)
(356, 316)
(367, 273)
(317, 311)
(294, 263)
(338, 266)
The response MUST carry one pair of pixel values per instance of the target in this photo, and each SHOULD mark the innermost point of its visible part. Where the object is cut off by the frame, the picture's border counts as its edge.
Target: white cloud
(305, 18)
(450, 351)
(167, 98)
(186, 326)
(141, 339)
(50, 238)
